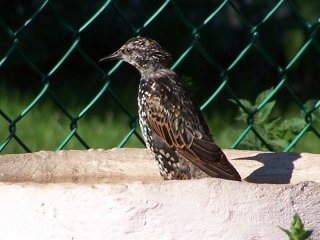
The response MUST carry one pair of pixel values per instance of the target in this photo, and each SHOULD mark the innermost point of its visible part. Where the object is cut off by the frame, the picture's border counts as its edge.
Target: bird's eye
(129, 50)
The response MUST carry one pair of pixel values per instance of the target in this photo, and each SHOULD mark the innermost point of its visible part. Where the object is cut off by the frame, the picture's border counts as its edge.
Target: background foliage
(53, 47)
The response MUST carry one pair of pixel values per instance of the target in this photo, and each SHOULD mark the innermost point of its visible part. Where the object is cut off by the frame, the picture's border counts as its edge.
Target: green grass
(45, 127)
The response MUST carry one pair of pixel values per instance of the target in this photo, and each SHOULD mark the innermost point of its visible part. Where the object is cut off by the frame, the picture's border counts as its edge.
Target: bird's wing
(182, 127)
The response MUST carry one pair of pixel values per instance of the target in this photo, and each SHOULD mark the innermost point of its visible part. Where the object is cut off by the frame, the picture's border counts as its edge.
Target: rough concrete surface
(77, 198)
(128, 164)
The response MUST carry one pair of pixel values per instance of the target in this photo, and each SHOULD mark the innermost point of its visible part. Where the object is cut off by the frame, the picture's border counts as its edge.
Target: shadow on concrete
(277, 169)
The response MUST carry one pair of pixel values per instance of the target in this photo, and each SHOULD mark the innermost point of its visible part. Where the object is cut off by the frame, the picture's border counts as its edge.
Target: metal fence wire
(133, 23)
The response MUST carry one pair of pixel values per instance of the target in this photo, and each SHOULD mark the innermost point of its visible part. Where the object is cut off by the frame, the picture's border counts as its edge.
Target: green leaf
(263, 95)
(247, 104)
(307, 234)
(297, 231)
(264, 114)
(288, 233)
(294, 125)
(273, 124)
(296, 223)
(242, 117)
(233, 101)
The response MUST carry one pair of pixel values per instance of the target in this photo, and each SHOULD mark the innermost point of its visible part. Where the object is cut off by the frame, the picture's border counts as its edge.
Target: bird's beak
(113, 56)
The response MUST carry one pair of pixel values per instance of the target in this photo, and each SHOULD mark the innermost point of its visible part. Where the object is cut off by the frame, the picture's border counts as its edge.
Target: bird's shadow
(277, 168)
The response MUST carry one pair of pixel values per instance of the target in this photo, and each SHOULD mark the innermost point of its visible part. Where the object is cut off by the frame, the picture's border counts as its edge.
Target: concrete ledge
(129, 164)
(117, 194)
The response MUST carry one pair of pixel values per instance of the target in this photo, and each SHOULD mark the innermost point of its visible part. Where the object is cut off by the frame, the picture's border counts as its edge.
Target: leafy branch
(275, 130)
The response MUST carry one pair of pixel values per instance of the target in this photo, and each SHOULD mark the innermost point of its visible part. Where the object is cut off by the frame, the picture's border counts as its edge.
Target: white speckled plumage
(171, 123)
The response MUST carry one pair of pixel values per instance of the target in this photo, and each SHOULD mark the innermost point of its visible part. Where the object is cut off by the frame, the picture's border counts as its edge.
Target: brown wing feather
(209, 158)
(177, 120)
(194, 145)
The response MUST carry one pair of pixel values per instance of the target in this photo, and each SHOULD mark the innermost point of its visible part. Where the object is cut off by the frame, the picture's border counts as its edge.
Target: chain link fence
(38, 49)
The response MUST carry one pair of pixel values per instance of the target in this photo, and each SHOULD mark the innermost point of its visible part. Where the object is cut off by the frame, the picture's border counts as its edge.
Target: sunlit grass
(45, 127)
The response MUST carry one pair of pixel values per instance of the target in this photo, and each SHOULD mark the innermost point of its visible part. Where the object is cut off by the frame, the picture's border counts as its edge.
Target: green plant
(275, 130)
(297, 230)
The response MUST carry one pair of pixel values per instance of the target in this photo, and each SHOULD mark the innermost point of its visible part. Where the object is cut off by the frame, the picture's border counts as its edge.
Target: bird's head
(142, 53)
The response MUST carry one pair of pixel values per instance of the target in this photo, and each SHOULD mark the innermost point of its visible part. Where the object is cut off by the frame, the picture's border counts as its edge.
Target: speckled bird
(171, 123)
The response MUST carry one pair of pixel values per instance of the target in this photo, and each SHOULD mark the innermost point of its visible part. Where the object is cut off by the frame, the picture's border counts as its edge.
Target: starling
(171, 123)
